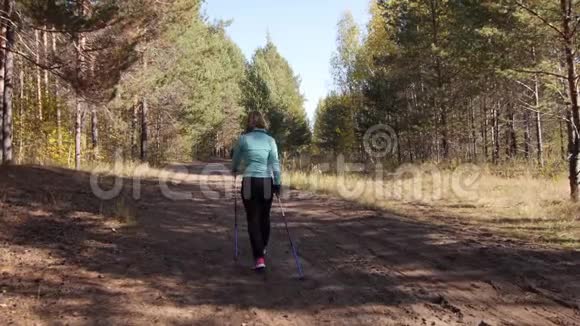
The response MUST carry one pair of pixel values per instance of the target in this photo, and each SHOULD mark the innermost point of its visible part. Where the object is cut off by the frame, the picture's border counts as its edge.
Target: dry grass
(139, 170)
(123, 207)
(526, 207)
(124, 169)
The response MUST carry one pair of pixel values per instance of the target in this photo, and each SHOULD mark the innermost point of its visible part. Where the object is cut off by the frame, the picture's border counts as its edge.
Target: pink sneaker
(260, 263)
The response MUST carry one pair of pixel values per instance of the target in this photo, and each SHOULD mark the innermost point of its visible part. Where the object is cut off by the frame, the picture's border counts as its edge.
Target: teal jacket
(259, 152)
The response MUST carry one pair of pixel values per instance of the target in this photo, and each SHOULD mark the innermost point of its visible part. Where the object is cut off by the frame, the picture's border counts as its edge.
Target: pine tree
(272, 87)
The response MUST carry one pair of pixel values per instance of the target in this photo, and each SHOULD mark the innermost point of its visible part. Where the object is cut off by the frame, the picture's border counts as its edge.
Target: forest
(457, 81)
(87, 80)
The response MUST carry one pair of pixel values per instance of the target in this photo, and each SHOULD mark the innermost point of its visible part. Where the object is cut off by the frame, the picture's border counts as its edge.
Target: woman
(261, 181)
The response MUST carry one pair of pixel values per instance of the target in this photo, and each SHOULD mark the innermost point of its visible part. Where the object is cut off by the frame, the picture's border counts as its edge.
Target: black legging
(257, 197)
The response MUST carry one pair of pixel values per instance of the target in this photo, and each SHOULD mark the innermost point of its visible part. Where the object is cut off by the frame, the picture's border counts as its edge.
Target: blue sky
(303, 30)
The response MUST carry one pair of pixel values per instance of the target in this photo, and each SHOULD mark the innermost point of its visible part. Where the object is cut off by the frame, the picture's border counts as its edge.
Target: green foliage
(334, 128)
(192, 84)
(344, 61)
(115, 56)
(66, 16)
(272, 88)
(452, 78)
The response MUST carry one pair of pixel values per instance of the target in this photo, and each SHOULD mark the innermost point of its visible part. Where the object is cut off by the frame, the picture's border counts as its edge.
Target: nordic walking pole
(235, 218)
(294, 251)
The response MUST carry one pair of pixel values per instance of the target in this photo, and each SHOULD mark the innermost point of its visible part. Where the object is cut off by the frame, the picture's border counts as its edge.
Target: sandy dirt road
(65, 260)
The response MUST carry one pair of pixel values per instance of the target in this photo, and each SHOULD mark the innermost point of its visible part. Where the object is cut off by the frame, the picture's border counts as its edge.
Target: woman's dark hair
(255, 120)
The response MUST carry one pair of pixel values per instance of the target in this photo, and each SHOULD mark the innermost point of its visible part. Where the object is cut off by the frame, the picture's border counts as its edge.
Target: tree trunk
(80, 45)
(444, 134)
(38, 78)
(144, 126)
(399, 145)
(438, 101)
(55, 93)
(495, 137)
(411, 147)
(540, 141)
(158, 136)
(134, 146)
(513, 137)
(95, 133)
(484, 131)
(573, 164)
(78, 130)
(80, 103)
(21, 113)
(58, 126)
(562, 148)
(3, 31)
(8, 88)
(569, 50)
(45, 61)
(473, 133)
(539, 137)
(527, 138)
(144, 130)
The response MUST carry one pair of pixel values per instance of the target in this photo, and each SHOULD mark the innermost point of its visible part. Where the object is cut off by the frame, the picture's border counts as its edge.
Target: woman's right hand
(276, 190)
